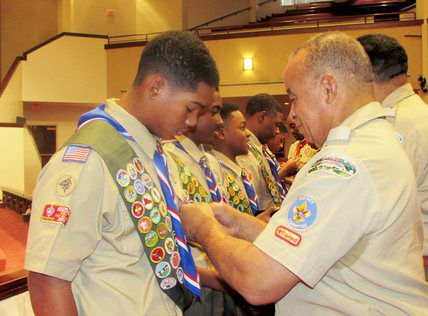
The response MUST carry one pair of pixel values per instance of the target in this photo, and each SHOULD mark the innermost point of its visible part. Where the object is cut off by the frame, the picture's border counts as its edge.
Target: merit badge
(151, 239)
(241, 194)
(168, 223)
(235, 187)
(191, 188)
(162, 230)
(168, 283)
(175, 259)
(288, 235)
(76, 153)
(162, 208)
(187, 171)
(202, 191)
(229, 178)
(148, 201)
(236, 200)
(56, 214)
(122, 178)
(138, 165)
(144, 224)
(130, 194)
(65, 185)
(197, 198)
(139, 186)
(195, 181)
(246, 203)
(155, 216)
(131, 171)
(208, 199)
(334, 163)
(231, 191)
(302, 213)
(147, 181)
(137, 209)
(180, 275)
(240, 207)
(156, 195)
(169, 245)
(163, 269)
(184, 178)
(157, 254)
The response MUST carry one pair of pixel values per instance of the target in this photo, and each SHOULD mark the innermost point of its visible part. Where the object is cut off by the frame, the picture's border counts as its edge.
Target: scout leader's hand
(227, 216)
(196, 220)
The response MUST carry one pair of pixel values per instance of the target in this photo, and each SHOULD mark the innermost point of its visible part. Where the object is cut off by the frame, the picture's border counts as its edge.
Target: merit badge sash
(271, 184)
(144, 202)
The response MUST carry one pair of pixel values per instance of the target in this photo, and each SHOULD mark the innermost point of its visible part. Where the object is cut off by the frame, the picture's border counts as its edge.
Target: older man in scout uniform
(348, 238)
(105, 237)
(407, 112)
(263, 115)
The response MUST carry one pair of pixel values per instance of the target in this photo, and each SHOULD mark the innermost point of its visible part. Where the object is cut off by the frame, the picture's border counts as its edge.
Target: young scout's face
(179, 110)
(236, 134)
(208, 123)
(270, 126)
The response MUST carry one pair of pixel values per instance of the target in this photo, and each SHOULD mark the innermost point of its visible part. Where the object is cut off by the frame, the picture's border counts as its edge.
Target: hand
(266, 215)
(227, 216)
(290, 166)
(195, 219)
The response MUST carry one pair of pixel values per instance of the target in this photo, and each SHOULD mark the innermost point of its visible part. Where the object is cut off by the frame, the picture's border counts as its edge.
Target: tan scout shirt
(304, 154)
(234, 171)
(98, 250)
(191, 159)
(410, 118)
(349, 230)
(249, 163)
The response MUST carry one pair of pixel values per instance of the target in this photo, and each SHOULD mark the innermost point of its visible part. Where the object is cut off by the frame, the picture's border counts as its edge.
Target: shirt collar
(397, 95)
(231, 165)
(142, 136)
(255, 141)
(194, 151)
(366, 113)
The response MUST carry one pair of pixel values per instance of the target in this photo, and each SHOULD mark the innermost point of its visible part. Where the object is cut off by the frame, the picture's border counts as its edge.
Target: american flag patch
(76, 153)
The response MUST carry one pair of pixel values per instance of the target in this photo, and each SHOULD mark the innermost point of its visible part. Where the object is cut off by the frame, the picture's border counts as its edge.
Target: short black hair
(181, 57)
(282, 128)
(227, 109)
(262, 102)
(387, 56)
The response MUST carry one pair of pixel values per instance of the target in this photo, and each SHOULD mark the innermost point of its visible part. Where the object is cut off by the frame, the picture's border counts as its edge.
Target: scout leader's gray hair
(337, 53)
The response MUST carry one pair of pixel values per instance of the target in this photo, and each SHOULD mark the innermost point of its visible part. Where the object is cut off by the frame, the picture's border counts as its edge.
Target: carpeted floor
(13, 238)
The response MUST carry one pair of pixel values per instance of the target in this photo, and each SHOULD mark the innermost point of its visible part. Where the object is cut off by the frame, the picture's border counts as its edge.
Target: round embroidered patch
(137, 209)
(180, 275)
(131, 171)
(169, 245)
(168, 283)
(147, 201)
(162, 230)
(122, 178)
(130, 194)
(155, 215)
(162, 208)
(144, 224)
(151, 239)
(157, 254)
(302, 213)
(163, 269)
(175, 259)
(139, 186)
(65, 185)
(138, 165)
(156, 195)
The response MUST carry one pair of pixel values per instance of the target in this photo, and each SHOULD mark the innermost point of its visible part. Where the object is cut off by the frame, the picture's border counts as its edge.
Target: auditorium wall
(12, 158)
(11, 99)
(270, 55)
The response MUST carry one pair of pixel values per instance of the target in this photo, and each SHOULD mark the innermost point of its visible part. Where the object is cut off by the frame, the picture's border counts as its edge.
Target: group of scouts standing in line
(168, 202)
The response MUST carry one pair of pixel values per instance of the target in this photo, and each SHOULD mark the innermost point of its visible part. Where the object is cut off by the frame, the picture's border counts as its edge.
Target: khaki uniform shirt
(410, 118)
(349, 230)
(234, 171)
(250, 163)
(305, 154)
(98, 250)
(191, 159)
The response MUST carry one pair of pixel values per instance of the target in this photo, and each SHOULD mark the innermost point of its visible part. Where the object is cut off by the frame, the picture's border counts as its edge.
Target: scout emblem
(122, 178)
(302, 213)
(65, 185)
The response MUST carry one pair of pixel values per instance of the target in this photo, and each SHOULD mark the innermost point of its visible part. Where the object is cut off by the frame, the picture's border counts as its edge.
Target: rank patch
(56, 214)
(302, 213)
(287, 235)
(76, 153)
(334, 163)
(65, 185)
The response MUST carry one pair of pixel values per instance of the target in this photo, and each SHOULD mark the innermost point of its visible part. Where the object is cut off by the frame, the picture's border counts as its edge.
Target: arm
(257, 277)
(289, 167)
(50, 295)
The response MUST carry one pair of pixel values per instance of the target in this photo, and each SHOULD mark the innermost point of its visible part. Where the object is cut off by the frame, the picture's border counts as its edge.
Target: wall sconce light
(248, 64)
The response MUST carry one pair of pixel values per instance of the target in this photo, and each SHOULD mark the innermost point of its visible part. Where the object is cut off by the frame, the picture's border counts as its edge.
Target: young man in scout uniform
(263, 115)
(407, 112)
(105, 236)
(348, 237)
(198, 178)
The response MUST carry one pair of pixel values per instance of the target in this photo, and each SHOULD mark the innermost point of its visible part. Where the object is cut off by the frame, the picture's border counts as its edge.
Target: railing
(262, 27)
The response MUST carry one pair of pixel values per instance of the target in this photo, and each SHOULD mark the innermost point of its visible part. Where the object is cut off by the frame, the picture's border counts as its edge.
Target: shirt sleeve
(321, 219)
(66, 216)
